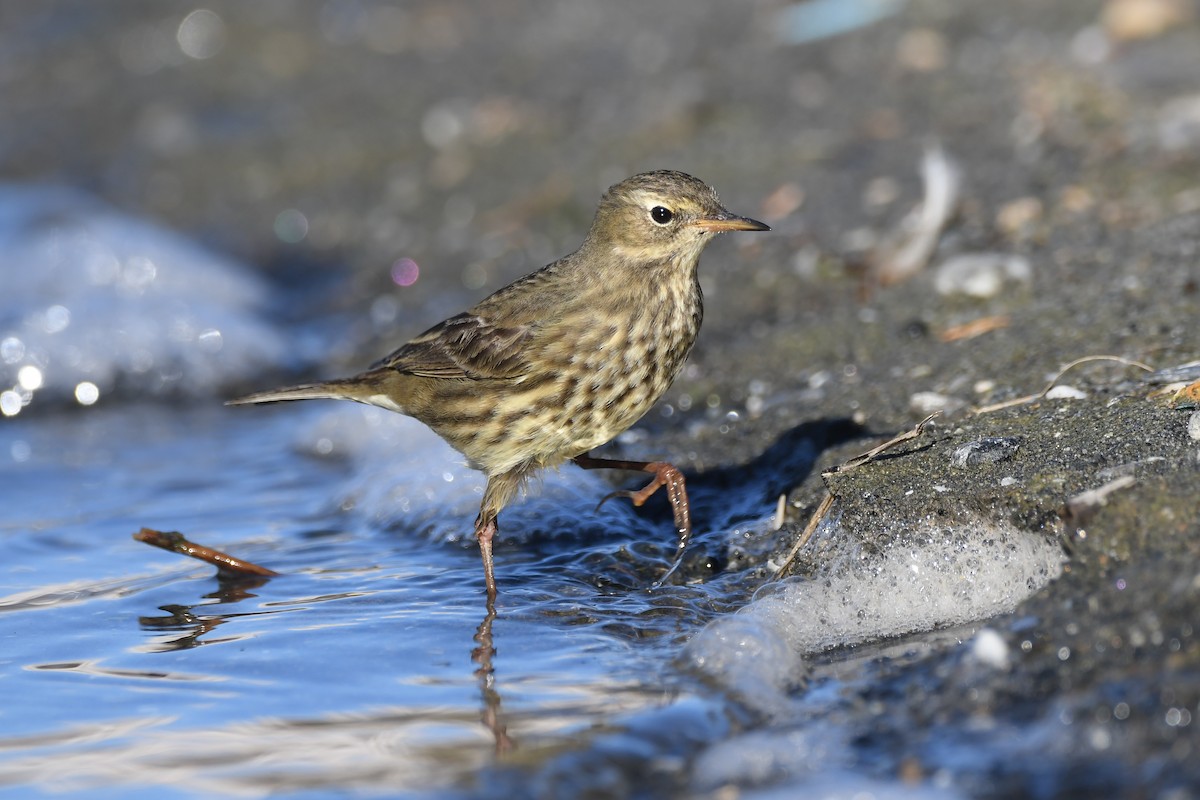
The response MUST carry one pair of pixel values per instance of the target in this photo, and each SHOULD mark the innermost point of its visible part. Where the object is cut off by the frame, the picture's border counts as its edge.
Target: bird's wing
(465, 346)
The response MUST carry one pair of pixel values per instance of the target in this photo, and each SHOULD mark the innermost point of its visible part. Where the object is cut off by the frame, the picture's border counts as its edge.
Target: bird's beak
(724, 221)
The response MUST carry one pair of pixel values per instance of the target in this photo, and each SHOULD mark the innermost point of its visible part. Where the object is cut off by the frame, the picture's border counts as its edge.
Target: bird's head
(664, 216)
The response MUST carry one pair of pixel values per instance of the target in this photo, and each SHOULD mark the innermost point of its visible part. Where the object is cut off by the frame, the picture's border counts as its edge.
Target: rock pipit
(564, 359)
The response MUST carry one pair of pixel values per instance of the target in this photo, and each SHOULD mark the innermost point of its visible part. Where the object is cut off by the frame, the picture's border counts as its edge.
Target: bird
(562, 360)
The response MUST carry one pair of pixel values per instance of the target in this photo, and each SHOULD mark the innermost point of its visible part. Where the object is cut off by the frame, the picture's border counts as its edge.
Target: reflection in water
(236, 588)
(486, 673)
(230, 589)
(180, 618)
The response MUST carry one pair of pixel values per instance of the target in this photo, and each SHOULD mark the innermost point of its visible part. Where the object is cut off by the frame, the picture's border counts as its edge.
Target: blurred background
(394, 162)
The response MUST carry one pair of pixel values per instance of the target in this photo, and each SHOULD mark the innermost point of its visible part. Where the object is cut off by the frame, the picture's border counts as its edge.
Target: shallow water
(124, 663)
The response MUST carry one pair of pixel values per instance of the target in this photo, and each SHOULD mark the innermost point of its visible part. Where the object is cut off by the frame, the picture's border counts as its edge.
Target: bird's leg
(500, 489)
(665, 474)
(485, 529)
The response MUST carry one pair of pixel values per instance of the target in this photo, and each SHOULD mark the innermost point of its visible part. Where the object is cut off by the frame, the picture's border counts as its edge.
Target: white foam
(93, 296)
(935, 577)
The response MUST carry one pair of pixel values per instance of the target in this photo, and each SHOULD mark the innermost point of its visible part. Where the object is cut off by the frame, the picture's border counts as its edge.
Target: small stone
(1194, 426)
(981, 274)
(926, 403)
(922, 50)
(1126, 20)
(987, 450)
(1076, 199)
(1019, 215)
(1066, 393)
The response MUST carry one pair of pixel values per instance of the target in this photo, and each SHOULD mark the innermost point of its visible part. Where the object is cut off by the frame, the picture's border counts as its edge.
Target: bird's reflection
(486, 673)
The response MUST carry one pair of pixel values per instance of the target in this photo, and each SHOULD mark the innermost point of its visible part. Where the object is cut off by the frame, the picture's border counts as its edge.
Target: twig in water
(227, 566)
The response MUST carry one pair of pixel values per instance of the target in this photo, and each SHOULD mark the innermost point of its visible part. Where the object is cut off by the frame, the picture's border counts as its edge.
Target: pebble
(1066, 393)
(981, 274)
(1019, 215)
(922, 50)
(1127, 20)
(928, 402)
(1194, 426)
(988, 450)
(1076, 199)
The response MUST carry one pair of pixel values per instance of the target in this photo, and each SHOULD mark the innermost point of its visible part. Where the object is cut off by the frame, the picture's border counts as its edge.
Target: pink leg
(485, 529)
(665, 474)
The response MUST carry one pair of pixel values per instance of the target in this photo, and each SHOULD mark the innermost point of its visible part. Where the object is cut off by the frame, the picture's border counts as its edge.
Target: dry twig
(976, 327)
(875, 452)
(827, 501)
(809, 530)
(1017, 401)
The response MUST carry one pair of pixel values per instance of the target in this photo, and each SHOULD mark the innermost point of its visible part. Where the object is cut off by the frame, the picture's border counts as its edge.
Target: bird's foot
(665, 474)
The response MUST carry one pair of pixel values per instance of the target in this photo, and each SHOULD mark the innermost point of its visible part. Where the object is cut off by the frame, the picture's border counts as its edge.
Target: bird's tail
(305, 391)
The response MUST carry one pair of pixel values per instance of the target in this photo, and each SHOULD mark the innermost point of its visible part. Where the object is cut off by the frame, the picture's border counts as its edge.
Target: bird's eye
(661, 215)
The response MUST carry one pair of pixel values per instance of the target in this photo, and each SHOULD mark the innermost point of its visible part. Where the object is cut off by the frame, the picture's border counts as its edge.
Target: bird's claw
(633, 496)
(665, 475)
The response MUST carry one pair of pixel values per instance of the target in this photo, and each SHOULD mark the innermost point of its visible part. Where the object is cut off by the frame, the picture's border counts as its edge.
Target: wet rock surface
(1098, 681)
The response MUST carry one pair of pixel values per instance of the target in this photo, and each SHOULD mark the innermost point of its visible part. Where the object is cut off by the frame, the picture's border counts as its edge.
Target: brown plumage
(564, 359)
